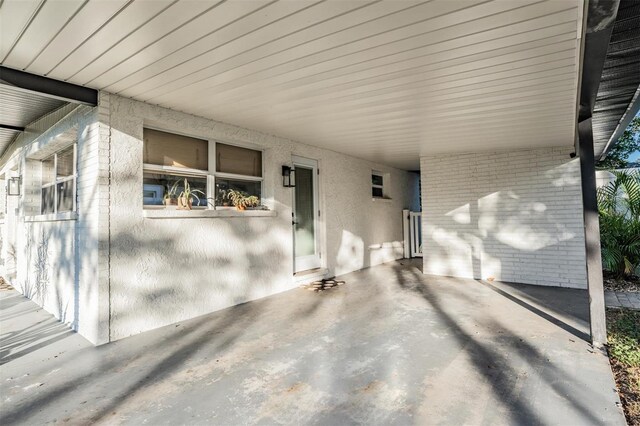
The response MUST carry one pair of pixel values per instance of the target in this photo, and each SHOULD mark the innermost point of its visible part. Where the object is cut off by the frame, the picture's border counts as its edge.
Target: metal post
(592, 234)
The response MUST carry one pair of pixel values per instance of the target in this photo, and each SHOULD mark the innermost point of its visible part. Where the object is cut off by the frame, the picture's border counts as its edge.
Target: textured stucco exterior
(512, 216)
(111, 272)
(169, 269)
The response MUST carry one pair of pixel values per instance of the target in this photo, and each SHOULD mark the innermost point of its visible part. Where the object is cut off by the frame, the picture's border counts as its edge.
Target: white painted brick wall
(514, 216)
(69, 278)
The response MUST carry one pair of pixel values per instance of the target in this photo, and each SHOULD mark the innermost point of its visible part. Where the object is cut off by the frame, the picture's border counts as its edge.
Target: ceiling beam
(9, 127)
(601, 15)
(48, 87)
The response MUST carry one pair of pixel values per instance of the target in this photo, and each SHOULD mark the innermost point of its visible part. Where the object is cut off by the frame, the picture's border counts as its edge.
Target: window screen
(168, 149)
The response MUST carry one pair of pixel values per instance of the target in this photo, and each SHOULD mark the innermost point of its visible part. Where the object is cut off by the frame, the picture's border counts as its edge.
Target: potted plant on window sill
(243, 201)
(169, 200)
(184, 199)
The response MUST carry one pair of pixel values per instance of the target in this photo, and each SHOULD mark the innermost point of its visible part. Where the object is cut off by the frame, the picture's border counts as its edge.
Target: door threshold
(308, 272)
(310, 275)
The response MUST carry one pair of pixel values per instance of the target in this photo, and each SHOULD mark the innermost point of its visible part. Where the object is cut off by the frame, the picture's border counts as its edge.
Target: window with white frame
(211, 170)
(378, 184)
(58, 191)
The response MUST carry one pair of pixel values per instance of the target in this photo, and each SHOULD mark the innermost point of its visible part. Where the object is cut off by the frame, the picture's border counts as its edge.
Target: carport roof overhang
(26, 97)
(382, 80)
(618, 98)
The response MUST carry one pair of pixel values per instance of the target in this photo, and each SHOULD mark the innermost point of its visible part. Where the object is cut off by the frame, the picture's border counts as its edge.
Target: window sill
(52, 217)
(381, 199)
(199, 214)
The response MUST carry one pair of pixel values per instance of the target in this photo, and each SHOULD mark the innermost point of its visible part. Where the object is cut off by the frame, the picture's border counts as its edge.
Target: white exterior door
(305, 215)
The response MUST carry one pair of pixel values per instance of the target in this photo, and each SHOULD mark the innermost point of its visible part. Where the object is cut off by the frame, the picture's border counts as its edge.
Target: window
(377, 184)
(58, 193)
(210, 168)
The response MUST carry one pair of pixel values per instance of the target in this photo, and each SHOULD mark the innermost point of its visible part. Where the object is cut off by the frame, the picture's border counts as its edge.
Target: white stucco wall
(57, 258)
(514, 216)
(166, 270)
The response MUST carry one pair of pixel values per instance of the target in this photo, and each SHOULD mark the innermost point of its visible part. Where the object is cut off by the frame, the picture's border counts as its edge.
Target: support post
(592, 233)
(405, 231)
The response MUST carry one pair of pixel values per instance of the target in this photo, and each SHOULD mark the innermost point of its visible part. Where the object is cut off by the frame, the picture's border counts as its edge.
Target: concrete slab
(391, 346)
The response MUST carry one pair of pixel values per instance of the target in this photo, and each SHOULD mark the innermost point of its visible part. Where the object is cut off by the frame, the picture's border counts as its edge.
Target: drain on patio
(323, 285)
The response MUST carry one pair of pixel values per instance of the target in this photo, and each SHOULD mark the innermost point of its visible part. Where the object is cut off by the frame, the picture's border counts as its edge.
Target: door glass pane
(168, 149)
(238, 160)
(305, 226)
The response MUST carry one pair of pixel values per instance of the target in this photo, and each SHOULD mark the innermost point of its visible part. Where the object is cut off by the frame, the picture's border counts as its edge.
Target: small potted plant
(186, 196)
(241, 200)
(169, 198)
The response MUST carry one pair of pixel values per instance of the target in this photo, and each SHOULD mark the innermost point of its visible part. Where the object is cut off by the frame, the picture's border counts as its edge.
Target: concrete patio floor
(391, 346)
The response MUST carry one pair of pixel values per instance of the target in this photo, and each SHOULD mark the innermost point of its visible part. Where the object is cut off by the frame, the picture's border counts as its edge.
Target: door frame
(316, 260)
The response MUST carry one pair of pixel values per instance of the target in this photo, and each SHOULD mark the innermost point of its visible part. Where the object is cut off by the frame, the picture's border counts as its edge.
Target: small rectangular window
(377, 185)
(58, 192)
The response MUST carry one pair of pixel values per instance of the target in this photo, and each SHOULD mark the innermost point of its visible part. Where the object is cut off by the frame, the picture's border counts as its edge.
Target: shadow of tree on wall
(41, 267)
(508, 223)
(36, 281)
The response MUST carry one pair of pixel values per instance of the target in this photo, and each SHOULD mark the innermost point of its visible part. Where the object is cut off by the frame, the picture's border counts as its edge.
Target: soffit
(19, 108)
(382, 80)
(620, 83)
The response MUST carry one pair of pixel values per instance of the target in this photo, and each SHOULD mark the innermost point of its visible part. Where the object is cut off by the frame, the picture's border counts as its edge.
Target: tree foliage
(619, 206)
(626, 144)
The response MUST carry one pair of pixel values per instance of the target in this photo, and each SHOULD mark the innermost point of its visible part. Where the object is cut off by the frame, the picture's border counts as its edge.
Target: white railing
(412, 233)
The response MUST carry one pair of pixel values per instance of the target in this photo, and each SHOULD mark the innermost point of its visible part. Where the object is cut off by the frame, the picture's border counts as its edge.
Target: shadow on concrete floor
(15, 343)
(391, 346)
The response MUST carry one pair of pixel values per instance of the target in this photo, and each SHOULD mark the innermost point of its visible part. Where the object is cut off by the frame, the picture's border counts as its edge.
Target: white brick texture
(511, 216)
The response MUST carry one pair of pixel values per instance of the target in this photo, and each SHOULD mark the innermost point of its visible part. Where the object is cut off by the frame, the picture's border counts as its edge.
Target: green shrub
(619, 206)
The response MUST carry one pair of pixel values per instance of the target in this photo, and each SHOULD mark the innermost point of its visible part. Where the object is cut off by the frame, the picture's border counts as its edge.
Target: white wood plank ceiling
(384, 80)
